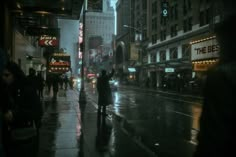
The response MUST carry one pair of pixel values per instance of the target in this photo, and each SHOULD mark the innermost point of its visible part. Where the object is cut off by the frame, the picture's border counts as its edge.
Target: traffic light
(164, 8)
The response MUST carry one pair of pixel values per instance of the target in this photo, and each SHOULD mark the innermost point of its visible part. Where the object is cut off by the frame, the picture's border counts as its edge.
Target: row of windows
(100, 22)
(173, 54)
(187, 26)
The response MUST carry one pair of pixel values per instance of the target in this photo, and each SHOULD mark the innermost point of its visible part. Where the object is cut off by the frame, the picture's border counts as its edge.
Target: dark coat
(24, 103)
(217, 123)
(104, 90)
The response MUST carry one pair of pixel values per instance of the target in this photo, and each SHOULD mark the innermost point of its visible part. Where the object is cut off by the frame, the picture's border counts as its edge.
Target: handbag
(24, 133)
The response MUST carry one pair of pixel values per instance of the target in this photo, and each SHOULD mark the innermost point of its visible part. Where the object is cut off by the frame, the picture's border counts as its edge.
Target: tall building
(131, 39)
(69, 40)
(182, 44)
(98, 35)
(177, 40)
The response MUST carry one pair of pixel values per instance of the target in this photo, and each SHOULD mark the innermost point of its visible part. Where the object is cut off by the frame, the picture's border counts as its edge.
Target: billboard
(59, 63)
(205, 49)
(134, 52)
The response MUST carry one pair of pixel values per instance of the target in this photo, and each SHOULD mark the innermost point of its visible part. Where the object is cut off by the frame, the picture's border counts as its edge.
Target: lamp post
(82, 96)
(136, 29)
(127, 26)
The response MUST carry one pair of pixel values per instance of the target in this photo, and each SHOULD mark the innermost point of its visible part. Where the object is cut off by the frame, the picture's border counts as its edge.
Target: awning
(131, 69)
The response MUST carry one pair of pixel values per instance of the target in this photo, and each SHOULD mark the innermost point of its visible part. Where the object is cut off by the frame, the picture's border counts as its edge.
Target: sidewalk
(69, 132)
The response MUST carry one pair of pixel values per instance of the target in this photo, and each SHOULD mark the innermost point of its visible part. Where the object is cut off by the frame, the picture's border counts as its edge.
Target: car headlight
(116, 83)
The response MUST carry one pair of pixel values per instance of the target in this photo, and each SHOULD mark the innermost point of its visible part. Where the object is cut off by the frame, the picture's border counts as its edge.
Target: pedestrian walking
(55, 86)
(40, 82)
(49, 83)
(104, 91)
(217, 122)
(21, 109)
(32, 79)
(66, 80)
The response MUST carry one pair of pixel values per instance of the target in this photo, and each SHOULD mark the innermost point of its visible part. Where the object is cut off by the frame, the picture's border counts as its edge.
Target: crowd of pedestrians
(21, 113)
(21, 108)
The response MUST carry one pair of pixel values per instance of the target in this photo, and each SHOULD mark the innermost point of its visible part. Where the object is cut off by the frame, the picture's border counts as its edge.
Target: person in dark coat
(217, 122)
(32, 79)
(40, 84)
(104, 91)
(21, 108)
(49, 82)
(55, 86)
(3, 59)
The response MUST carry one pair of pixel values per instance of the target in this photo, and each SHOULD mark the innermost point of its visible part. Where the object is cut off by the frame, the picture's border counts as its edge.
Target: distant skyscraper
(95, 5)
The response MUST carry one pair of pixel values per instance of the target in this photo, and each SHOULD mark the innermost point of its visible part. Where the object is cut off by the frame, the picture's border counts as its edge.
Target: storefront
(204, 55)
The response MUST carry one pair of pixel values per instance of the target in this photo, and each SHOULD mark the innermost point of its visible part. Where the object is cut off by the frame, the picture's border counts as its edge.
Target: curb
(129, 131)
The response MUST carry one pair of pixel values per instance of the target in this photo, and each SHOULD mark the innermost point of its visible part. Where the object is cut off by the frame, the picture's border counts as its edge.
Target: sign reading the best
(205, 50)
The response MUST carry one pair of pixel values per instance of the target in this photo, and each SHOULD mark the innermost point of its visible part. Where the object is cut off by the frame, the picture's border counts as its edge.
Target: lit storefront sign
(59, 63)
(205, 53)
(205, 49)
(204, 65)
(169, 70)
(48, 41)
(131, 69)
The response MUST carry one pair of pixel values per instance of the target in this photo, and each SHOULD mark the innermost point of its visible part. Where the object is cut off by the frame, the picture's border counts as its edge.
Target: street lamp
(127, 26)
(139, 35)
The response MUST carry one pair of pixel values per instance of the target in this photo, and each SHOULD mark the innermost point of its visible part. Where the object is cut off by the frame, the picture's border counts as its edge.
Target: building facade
(100, 27)
(131, 39)
(172, 37)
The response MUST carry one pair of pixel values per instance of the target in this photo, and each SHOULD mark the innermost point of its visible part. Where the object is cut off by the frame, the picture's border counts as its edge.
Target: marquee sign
(59, 63)
(205, 49)
(48, 41)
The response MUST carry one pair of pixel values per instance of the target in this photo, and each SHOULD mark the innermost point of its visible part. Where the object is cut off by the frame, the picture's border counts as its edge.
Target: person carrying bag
(22, 112)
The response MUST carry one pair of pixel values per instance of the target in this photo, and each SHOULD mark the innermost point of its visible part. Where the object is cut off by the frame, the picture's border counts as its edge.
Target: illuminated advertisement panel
(59, 63)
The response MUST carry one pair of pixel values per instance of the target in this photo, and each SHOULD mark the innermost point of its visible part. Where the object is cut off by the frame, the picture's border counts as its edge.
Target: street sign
(169, 70)
(48, 41)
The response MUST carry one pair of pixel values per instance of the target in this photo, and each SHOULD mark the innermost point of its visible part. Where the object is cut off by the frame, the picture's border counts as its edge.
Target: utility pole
(82, 95)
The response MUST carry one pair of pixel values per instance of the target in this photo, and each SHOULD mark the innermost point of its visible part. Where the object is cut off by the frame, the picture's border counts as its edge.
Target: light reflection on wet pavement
(141, 124)
(167, 126)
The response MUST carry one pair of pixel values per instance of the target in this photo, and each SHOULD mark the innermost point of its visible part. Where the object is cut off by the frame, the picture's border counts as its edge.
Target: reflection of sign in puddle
(196, 113)
(194, 133)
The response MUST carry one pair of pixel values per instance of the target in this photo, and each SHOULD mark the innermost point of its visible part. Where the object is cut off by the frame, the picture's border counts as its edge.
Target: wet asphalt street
(141, 123)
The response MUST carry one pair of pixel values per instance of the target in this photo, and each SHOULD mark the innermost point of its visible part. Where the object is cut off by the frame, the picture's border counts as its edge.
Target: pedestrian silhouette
(55, 86)
(21, 109)
(40, 80)
(32, 79)
(217, 122)
(104, 91)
